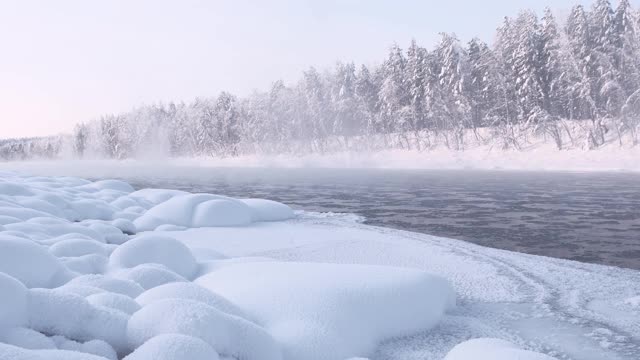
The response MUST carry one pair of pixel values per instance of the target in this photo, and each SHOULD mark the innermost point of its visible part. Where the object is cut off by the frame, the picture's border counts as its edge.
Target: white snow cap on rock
(62, 313)
(329, 311)
(30, 263)
(189, 291)
(10, 352)
(492, 349)
(155, 249)
(13, 302)
(206, 210)
(268, 210)
(227, 334)
(196, 210)
(174, 347)
(149, 276)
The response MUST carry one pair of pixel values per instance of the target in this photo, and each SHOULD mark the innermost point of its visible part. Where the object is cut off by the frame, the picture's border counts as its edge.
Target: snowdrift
(84, 275)
(353, 306)
(492, 349)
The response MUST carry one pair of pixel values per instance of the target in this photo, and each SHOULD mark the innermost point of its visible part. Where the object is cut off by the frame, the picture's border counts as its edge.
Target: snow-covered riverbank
(107, 273)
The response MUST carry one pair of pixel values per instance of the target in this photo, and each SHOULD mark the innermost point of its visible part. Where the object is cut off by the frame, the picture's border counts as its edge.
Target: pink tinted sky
(67, 61)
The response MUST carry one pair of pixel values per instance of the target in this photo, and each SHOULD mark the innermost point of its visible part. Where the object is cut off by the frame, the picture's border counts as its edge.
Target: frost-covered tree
(527, 67)
(536, 73)
(454, 67)
(483, 85)
(367, 100)
(416, 72)
(626, 52)
(80, 138)
(394, 93)
(348, 117)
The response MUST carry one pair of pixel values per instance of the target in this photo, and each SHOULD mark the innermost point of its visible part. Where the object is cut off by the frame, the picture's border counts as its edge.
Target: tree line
(536, 75)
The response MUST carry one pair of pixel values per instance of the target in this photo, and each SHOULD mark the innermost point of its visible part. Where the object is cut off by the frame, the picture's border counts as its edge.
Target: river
(588, 217)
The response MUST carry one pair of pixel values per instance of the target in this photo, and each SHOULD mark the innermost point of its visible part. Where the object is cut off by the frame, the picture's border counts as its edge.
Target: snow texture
(79, 280)
(355, 306)
(153, 249)
(492, 349)
(174, 347)
(97, 271)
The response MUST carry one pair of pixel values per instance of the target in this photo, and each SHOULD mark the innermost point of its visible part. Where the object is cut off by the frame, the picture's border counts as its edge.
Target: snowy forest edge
(566, 86)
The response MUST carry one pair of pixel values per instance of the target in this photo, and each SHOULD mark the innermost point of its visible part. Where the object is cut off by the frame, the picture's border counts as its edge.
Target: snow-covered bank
(77, 274)
(541, 158)
(538, 159)
(210, 278)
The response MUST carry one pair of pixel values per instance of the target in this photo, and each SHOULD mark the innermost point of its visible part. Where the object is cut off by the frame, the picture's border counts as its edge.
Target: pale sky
(67, 61)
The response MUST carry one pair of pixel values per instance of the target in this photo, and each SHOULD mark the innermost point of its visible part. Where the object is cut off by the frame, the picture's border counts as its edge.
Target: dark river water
(589, 217)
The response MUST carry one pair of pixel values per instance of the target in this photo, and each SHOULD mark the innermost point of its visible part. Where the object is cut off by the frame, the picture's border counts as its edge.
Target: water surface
(589, 217)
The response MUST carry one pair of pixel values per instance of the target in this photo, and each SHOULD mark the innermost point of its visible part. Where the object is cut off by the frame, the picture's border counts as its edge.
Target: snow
(30, 263)
(267, 210)
(26, 338)
(249, 279)
(354, 306)
(174, 347)
(108, 283)
(63, 313)
(77, 247)
(190, 291)
(229, 335)
(10, 352)
(114, 301)
(13, 297)
(492, 349)
(154, 249)
(196, 210)
(94, 347)
(538, 157)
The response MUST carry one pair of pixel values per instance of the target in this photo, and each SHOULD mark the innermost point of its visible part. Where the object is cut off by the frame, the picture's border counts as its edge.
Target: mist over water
(588, 217)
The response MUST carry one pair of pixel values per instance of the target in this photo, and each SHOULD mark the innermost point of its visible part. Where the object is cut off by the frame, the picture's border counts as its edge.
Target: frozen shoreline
(542, 158)
(234, 263)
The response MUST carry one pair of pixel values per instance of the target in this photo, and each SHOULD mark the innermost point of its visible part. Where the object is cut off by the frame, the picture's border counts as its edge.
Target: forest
(575, 83)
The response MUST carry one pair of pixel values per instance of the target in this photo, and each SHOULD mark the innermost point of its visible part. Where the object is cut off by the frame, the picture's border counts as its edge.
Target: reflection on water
(590, 217)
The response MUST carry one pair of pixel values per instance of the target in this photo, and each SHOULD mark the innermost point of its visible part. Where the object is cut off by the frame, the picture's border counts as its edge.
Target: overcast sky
(67, 61)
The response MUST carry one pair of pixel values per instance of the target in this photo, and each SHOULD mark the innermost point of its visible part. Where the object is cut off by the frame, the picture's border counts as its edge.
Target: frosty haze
(569, 85)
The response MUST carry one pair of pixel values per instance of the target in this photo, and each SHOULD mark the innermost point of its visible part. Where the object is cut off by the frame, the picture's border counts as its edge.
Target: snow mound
(196, 210)
(492, 349)
(268, 210)
(125, 226)
(94, 347)
(14, 189)
(77, 247)
(328, 311)
(26, 338)
(174, 347)
(110, 284)
(149, 276)
(30, 263)
(148, 198)
(155, 249)
(86, 264)
(189, 291)
(61, 313)
(114, 301)
(92, 209)
(13, 300)
(228, 335)
(10, 352)
(115, 185)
